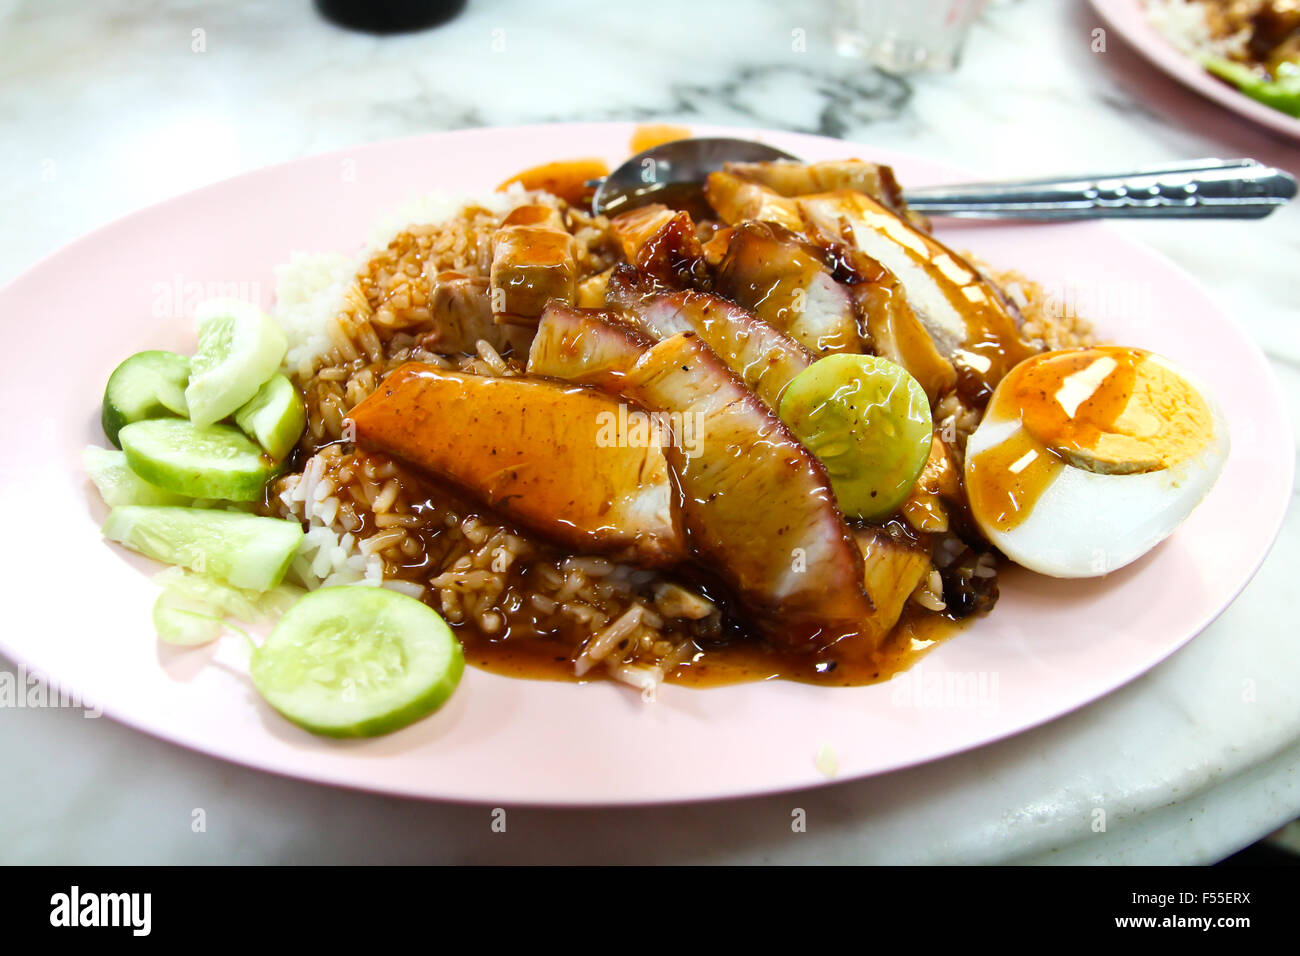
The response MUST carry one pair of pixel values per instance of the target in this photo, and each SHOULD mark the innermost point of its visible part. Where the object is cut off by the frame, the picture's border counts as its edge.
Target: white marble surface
(105, 107)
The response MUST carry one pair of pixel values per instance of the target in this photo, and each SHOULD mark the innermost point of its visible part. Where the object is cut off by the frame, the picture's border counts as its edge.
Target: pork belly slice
(735, 200)
(585, 346)
(591, 290)
(963, 313)
(783, 279)
(662, 242)
(758, 506)
(765, 359)
(461, 310)
(534, 260)
(789, 178)
(894, 568)
(894, 329)
(539, 453)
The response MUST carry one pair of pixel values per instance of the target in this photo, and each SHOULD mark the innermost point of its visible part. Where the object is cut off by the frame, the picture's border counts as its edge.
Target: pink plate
(80, 607)
(1130, 20)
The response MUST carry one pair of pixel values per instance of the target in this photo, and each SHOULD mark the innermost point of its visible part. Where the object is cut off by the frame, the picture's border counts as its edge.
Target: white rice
(1184, 24)
(310, 287)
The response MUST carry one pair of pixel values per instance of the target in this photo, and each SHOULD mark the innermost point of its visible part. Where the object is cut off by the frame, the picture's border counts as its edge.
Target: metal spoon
(1196, 189)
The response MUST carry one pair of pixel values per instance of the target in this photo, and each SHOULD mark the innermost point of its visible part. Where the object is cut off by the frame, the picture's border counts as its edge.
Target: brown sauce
(1005, 480)
(717, 665)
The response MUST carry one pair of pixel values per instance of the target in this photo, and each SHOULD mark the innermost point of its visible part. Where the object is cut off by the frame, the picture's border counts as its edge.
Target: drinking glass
(904, 36)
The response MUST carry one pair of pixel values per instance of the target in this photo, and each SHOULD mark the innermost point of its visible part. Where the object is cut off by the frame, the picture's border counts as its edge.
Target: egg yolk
(1109, 410)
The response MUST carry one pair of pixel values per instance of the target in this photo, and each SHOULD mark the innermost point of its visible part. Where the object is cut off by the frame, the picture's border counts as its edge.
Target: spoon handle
(1196, 189)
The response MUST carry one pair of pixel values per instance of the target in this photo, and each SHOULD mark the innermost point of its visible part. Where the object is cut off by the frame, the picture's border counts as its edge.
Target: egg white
(1086, 524)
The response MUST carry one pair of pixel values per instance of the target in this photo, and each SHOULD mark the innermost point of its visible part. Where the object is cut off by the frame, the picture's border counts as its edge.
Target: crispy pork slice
(460, 308)
(764, 358)
(537, 452)
(783, 279)
(894, 567)
(735, 200)
(788, 178)
(591, 290)
(938, 490)
(585, 346)
(716, 247)
(662, 243)
(964, 314)
(534, 260)
(757, 505)
(895, 331)
(634, 228)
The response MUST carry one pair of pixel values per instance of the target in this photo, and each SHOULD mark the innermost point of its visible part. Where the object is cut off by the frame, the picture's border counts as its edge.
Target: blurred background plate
(1129, 20)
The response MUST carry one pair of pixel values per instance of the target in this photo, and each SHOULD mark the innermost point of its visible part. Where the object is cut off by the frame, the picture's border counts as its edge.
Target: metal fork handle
(1197, 189)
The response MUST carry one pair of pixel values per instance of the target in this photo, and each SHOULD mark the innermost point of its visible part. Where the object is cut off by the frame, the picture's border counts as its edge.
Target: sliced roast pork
(764, 358)
(894, 329)
(585, 346)
(963, 313)
(662, 243)
(461, 310)
(735, 200)
(758, 506)
(784, 281)
(540, 453)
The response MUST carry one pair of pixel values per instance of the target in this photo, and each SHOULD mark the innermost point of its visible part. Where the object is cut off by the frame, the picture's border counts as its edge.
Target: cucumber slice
(119, 485)
(147, 385)
(240, 348)
(207, 595)
(241, 549)
(182, 626)
(212, 462)
(358, 661)
(275, 417)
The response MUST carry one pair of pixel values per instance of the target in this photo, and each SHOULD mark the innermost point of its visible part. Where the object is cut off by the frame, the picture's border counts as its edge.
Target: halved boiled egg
(1088, 458)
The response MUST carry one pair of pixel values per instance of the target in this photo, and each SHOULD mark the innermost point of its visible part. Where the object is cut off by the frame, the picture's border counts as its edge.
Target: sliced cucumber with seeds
(245, 550)
(216, 461)
(240, 348)
(147, 385)
(275, 417)
(358, 661)
(119, 485)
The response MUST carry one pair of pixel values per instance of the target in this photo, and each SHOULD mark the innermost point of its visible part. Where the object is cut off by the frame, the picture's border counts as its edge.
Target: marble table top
(111, 106)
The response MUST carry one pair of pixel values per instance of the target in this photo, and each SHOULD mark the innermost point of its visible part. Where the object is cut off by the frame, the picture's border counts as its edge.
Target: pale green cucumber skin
(184, 628)
(275, 417)
(167, 371)
(119, 485)
(221, 383)
(236, 471)
(327, 711)
(243, 550)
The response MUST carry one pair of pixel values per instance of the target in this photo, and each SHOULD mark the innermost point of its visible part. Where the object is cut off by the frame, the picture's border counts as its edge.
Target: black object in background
(389, 16)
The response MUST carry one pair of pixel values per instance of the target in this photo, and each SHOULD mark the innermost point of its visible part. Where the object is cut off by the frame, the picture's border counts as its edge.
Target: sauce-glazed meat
(783, 280)
(535, 452)
(533, 261)
(791, 558)
(764, 358)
